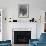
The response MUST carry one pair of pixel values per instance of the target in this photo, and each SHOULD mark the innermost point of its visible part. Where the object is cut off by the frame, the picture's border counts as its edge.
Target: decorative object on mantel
(5, 18)
(35, 21)
(14, 20)
(32, 20)
(9, 21)
(9, 18)
(23, 11)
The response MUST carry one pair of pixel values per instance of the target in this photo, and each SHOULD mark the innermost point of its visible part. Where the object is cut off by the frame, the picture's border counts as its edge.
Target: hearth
(22, 37)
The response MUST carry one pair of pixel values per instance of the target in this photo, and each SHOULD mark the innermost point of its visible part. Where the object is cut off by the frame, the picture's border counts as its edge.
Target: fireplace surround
(24, 27)
(21, 35)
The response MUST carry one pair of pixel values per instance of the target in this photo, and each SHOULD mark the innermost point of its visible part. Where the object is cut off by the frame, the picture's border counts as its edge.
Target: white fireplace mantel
(25, 27)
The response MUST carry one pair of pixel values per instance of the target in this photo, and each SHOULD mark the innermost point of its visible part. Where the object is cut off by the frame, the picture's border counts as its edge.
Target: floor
(20, 45)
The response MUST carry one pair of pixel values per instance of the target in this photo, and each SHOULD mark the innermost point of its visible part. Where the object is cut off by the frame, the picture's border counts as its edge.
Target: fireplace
(22, 37)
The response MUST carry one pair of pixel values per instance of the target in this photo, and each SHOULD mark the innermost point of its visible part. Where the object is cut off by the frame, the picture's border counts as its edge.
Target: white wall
(40, 26)
(34, 3)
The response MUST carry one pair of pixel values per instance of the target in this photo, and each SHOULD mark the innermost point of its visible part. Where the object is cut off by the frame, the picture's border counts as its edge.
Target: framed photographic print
(23, 11)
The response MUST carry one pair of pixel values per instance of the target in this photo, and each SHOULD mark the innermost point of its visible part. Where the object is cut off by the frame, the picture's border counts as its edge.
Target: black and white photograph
(23, 11)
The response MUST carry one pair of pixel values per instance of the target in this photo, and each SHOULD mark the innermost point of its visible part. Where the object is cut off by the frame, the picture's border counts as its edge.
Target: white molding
(1, 25)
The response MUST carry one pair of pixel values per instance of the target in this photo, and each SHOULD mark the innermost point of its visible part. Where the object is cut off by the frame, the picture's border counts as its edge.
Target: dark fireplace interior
(22, 37)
